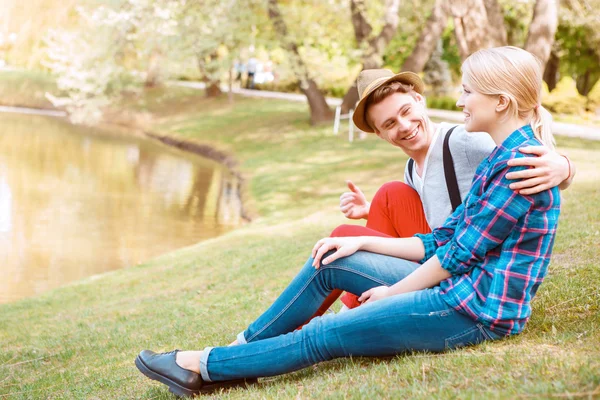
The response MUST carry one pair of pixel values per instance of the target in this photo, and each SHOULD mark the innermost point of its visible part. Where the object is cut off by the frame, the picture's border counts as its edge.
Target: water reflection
(74, 203)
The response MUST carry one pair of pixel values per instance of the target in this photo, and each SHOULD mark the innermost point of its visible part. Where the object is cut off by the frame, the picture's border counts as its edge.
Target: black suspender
(449, 172)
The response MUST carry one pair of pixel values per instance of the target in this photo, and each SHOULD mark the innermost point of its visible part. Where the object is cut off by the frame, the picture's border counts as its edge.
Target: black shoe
(182, 382)
(163, 368)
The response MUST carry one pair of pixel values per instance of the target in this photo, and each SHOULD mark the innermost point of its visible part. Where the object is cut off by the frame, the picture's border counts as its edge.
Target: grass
(26, 88)
(79, 342)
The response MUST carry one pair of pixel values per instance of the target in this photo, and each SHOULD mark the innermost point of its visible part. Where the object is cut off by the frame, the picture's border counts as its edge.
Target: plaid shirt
(497, 244)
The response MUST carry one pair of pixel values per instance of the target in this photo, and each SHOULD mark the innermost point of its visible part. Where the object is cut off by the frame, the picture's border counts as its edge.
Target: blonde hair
(516, 74)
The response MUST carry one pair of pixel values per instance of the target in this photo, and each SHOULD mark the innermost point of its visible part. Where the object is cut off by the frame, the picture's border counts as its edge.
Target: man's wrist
(569, 166)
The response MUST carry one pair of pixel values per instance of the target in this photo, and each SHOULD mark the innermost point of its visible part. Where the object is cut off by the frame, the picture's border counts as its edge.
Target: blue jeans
(413, 321)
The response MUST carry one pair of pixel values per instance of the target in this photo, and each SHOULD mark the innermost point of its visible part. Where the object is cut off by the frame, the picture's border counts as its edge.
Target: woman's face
(480, 110)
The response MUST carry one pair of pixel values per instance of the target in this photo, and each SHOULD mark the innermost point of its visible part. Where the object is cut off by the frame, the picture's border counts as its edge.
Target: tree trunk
(551, 73)
(542, 29)
(432, 31)
(153, 72)
(586, 82)
(496, 29)
(319, 110)
(470, 26)
(375, 45)
(213, 87)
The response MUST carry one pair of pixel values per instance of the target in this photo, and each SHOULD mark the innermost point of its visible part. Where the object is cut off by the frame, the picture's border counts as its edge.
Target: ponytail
(541, 123)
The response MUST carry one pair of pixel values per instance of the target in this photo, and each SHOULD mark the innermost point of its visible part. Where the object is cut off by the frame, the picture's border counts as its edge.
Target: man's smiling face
(401, 120)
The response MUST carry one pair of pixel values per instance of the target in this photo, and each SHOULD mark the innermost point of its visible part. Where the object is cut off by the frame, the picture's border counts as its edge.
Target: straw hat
(371, 79)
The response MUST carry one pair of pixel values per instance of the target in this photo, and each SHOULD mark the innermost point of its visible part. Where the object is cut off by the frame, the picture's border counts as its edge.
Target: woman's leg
(412, 321)
(344, 231)
(396, 211)
(359, 272)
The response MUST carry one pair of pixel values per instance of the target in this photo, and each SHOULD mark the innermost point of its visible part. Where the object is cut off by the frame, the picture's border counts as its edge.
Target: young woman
(470, 280)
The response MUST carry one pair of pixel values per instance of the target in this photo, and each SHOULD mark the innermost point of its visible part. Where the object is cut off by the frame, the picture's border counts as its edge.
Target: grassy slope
(80, 341)
(26, 89)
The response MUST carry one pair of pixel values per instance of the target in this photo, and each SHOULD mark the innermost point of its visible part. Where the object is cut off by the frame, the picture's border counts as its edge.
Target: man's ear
(420, 99)
(503, 103)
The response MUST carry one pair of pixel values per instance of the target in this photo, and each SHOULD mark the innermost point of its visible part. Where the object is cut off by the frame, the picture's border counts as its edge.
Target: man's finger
(352, 187)
(345, 195)
(347, 200)
(524, 161)
(526, 184)
(525, 173)
(534, 190)
(537, 150)
(346, 207)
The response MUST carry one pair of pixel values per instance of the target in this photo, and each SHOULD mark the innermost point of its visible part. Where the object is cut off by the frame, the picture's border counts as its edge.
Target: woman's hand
(344, 247)
(377, 293)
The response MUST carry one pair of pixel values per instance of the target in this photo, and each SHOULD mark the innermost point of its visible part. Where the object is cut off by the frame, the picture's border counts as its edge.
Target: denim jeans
(413, 321)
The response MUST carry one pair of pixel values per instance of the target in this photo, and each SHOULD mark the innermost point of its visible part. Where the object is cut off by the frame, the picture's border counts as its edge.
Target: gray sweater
(468, 150)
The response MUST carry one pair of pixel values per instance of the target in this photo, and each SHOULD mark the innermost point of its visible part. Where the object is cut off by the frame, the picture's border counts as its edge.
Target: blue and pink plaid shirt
(497, 244)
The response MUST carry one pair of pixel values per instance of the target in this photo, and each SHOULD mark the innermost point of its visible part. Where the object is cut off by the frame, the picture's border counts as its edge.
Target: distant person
(239, 69)
(469, 281)
(251, 68)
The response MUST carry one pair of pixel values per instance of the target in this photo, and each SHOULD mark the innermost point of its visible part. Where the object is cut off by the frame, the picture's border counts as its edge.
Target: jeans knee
(314, 338)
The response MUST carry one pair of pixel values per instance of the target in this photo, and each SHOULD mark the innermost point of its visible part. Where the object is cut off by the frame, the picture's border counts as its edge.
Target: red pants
(396, 211)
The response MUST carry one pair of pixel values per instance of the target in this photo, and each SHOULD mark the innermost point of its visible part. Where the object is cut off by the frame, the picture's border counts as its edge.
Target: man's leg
(408, 322)
(397, 211)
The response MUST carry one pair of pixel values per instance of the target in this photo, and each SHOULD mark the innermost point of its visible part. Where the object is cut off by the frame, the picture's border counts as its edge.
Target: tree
(319, 110)
(214, 32)
(496, 29)
(373, 46)
(470, 26)
(109, 50)
(542, 29)
(437, 73)
(578, 43)
(430, 34)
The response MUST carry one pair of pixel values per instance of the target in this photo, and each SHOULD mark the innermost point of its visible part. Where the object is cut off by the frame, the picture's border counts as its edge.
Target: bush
(594, 99)
(279, 86)
(442, 103)
(564, 99)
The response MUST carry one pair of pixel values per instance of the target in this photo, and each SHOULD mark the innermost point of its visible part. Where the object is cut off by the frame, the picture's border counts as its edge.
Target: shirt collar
(514, 140)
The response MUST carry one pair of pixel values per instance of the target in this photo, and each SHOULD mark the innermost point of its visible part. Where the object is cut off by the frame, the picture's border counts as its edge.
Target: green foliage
(580, 53)
(442, 103)
(451, 54)
(564, 99)
(412, 19)
(517, 16)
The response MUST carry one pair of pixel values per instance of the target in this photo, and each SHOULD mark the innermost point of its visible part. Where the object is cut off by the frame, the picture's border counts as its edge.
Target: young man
(393, 107)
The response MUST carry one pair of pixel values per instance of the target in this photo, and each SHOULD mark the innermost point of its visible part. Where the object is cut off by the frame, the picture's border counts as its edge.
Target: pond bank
(186, 145)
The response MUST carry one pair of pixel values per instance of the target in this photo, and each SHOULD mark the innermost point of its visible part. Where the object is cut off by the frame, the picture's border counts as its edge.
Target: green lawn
(80, 341)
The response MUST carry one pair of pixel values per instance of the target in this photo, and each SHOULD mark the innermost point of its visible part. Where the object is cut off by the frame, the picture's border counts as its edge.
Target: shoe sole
(181, 391)
(174, 387)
